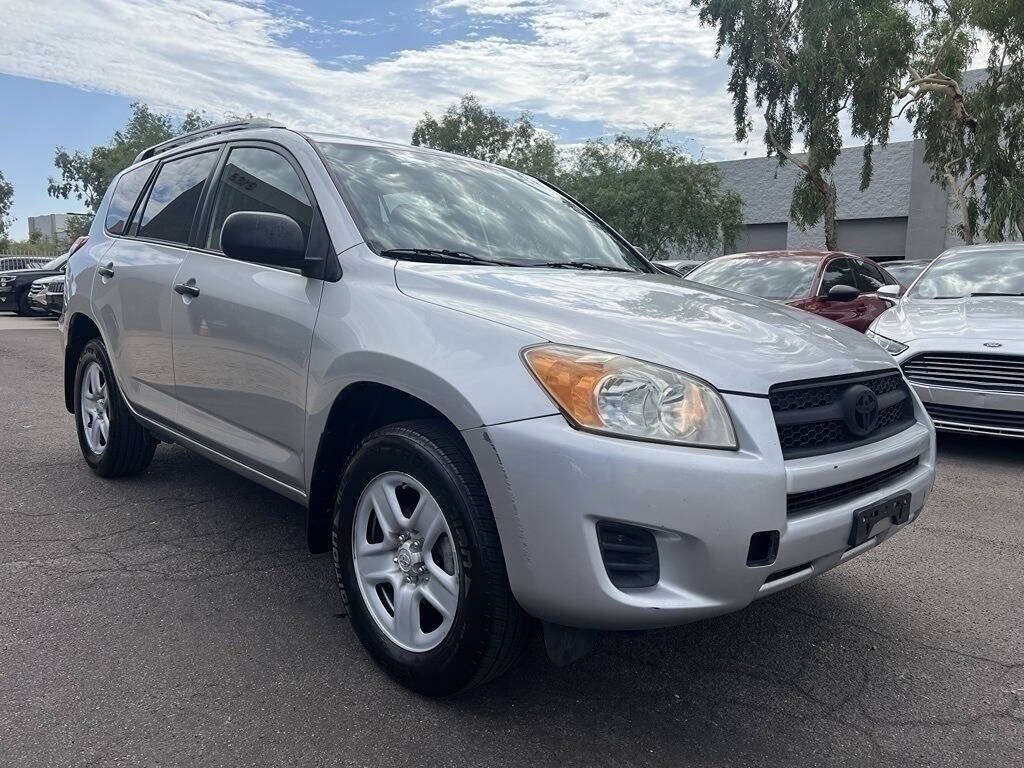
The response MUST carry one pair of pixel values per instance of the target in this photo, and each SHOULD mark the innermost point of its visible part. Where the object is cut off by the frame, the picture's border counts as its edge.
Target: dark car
(682, 266)
(907, 271)
(833, 284)
(15, 283)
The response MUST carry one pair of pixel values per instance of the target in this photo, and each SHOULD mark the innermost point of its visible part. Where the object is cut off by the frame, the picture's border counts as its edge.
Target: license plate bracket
(895, 508)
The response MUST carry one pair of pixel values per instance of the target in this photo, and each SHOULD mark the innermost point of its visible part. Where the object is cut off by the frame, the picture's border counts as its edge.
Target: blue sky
(585, 68)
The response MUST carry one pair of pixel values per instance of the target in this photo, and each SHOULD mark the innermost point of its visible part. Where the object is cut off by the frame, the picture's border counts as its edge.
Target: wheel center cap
(407, 559)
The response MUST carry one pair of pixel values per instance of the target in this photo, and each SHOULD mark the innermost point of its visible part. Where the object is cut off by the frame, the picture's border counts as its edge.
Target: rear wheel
(24, 308)
(113, 443)
(419, 562)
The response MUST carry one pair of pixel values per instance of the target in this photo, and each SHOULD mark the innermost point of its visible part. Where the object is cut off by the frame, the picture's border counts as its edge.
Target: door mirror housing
(264, 238)
(890, 292)
(842, 293)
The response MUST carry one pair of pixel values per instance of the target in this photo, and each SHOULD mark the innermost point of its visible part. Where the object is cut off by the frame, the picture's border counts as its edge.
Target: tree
(808, 62)
(6, 201)
(77, 224)
(86, 176)
(973, 132)
(654, 194)
(467, 128)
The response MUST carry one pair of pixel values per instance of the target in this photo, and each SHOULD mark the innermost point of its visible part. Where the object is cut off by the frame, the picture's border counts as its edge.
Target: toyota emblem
(993, 344)
(860, 410)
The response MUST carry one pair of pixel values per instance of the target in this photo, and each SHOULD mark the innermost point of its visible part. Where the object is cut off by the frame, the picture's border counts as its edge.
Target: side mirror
(264, 238)
(842, 293)
(890, 292)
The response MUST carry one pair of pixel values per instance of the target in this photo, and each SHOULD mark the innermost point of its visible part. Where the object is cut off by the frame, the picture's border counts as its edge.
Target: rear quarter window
(126, 193)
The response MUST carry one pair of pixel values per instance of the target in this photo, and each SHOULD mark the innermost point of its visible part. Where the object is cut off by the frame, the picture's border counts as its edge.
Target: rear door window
(837, 272)
(126, 193)
(172, 203)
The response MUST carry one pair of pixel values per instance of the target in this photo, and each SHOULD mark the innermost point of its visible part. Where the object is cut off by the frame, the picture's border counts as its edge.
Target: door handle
(107, 271)
(187, 289)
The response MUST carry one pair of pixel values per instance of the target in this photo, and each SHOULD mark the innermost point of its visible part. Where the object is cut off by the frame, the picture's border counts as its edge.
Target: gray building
(53, 225)
(902, 214)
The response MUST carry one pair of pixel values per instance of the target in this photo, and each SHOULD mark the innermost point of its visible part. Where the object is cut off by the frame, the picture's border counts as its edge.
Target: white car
(958, 334)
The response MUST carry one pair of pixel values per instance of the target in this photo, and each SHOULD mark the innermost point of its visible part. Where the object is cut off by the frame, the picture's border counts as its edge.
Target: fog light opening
(764, 546)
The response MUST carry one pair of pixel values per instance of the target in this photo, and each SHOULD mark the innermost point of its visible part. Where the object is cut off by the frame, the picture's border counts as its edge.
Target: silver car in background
(491, 406)
(958, 334)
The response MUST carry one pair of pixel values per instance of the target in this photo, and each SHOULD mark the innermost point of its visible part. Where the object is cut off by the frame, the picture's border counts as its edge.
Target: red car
(833, 284)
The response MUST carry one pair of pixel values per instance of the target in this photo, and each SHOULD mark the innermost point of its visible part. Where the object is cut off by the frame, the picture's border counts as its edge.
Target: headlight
(620, 396)
(892, 347)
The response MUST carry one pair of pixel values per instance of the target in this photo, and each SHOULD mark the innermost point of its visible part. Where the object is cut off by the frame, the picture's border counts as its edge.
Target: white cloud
(621, 64)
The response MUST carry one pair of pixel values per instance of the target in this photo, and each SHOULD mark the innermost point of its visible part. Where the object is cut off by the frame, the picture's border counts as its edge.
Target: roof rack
(213, 130)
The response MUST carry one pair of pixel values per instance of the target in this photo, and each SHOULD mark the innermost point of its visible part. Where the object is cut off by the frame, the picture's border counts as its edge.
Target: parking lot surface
(176, 618)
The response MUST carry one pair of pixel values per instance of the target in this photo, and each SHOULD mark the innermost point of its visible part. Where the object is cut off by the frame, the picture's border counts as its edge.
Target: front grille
(994, 373)
(630, 554)
(813, 417)
(985, 419)
(57, 286)
(806, 501)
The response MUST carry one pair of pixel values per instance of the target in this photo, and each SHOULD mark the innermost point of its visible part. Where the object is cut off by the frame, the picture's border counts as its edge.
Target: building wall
(902, 213)
(49, 225)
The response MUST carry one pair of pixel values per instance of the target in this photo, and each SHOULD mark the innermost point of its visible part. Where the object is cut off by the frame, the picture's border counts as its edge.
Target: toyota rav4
(494, 409)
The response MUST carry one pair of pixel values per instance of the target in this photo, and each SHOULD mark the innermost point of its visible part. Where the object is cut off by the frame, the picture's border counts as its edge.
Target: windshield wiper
(578, 265)
(995, 293)
(442, 255)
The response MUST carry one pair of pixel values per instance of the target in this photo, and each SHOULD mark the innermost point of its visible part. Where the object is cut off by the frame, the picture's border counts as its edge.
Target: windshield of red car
(777, 278)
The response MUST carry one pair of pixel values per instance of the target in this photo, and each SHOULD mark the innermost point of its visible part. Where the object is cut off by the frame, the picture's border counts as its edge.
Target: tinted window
(838, 272)
(258, 180)
(175, 195)
(123, 200)
(778, 279)
(414, 199)
(869, 277)
(999, 272)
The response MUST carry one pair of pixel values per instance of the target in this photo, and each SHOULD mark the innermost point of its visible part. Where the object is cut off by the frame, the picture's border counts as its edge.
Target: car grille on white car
(994, 373)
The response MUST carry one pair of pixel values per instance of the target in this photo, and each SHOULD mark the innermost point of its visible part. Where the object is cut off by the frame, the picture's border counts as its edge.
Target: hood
(33, 273)
(737, 343)
(985, 318)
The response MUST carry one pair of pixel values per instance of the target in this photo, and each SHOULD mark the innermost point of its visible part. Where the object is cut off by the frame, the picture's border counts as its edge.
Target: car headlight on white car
(620, 396)
(889, 345)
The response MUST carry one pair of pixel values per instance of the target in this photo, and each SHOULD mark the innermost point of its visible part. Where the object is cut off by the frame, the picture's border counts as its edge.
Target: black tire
(130, 447)
(490, 629)
(24, 308)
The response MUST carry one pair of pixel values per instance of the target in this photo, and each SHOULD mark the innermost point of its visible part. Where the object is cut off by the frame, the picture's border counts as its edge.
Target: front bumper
(549, 485)
(55, 303)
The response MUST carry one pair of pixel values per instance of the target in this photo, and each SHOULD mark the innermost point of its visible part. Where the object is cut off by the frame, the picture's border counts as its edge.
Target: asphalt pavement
(176, 618)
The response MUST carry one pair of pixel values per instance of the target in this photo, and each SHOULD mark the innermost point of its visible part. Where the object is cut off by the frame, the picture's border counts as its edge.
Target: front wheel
(113, 443)
(419, 562)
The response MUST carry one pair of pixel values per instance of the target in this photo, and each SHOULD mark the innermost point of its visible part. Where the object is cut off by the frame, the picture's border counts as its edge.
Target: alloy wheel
(95, 408)
(405, 561)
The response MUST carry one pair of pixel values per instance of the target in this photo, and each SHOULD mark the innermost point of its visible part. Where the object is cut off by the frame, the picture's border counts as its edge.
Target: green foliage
(6, 201)
(86, 176)
(78, 224)
(807, 62)
(654, 194)
(467, 128)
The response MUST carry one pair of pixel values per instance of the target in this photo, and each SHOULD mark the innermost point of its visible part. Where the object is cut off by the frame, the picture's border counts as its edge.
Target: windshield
(406, 199)
(905, 273)
(778, 279)
(55, 263)
(957, 275)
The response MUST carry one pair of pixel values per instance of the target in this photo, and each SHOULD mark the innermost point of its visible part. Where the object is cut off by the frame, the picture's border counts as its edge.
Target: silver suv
(492, 406)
